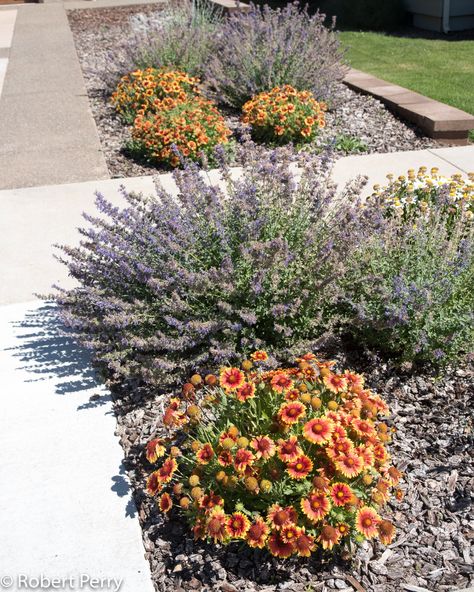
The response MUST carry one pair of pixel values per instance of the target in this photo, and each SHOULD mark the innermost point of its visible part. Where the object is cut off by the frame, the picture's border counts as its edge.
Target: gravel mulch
(433, 550)
(98, 33)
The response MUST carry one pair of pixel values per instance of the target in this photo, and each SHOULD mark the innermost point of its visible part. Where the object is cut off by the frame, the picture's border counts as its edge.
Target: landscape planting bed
(188, 282)
(432, 548)
(98, 33)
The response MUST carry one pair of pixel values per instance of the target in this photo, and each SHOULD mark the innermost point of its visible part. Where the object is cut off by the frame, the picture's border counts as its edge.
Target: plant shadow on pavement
(48, 349)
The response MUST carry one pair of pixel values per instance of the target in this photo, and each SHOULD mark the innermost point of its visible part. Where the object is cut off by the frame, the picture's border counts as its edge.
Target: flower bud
(194, 480)
(196, 380)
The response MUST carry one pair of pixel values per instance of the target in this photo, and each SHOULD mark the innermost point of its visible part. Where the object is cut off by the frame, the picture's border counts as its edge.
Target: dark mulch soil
(433, 548)
(99, 33)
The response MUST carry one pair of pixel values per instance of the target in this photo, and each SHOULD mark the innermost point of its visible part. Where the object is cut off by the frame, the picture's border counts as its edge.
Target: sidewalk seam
(430, 150)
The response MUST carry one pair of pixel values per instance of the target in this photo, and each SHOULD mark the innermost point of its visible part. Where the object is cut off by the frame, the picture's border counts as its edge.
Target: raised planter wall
(439, 121)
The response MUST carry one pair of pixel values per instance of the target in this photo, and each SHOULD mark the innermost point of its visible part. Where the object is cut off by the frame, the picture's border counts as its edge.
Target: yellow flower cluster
(190, 128)
(290, 459)
(152, 89)
(284, 115)
(415, 193)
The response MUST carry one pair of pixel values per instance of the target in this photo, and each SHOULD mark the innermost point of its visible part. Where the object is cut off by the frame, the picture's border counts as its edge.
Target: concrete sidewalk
(7, 26)
(65, 499)
(47, 133)
(33, 219)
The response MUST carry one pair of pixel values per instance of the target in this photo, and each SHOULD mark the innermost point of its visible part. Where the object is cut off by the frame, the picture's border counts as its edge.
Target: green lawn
(442, 70)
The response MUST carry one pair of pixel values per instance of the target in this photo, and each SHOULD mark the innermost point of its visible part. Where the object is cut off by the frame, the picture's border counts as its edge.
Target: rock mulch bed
(433, 550)
(99, 33)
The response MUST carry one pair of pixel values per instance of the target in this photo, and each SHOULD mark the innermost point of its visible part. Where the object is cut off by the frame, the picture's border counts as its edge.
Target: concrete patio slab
(66, 505)
(47, 130)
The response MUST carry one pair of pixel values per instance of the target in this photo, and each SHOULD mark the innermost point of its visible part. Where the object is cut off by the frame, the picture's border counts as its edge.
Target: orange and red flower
(257, 534)
(300, 467)
(366, 454)
(336, 383)
(291, 413)
(264, 447)
(315, 506)
(205, 454)
(245, 392)
(350, 464)
(165, 503)
(292, 395)
(237, 525)
(216, 524)
(318, 430)
(341, 494)
(231, 378)
(173, 415)
(279, 517)
(289, 533)
(386, 531)
(278, 547)
(153, 485)
(363, 428)
(243, 459)
(304, 544)
(281, 382)
(155, 450)
(225, 458)
(166, 471)
(329, 536)
(340, 447)
(289, 449)
(259, 356)
(210, 500)
(367, 521)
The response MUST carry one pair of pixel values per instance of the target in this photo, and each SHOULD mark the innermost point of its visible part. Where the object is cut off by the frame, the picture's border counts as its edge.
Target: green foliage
(350, 144)
(409, 288)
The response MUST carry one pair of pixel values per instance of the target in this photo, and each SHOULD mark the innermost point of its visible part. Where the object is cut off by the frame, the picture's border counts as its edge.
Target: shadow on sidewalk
(48, 350)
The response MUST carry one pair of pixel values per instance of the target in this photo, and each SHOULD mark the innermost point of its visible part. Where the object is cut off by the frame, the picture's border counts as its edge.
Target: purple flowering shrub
(408, 289)
(267, 48)
(172, 284)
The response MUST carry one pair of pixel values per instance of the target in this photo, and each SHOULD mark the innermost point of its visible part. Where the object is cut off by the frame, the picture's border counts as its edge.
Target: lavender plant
(180, 37)
(267, 47)
(409, 287)
(172, 284)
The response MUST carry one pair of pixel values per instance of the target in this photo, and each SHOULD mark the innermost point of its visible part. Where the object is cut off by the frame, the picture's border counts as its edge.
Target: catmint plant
(409, 286)
(171, 284)
(267, 48)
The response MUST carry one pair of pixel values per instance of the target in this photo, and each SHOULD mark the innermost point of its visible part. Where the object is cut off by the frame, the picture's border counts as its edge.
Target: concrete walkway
(33, 219)
(47, 133)
(7, 26)
(66, 510)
